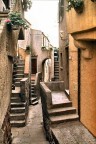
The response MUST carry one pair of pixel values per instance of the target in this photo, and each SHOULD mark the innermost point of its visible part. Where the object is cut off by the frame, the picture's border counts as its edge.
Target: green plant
(76, 4)
(15, 19)
(27, 4)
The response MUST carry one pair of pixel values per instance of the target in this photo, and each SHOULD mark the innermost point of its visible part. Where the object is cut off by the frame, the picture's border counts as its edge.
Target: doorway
(6, 2)
(33, 65)
(79, 79)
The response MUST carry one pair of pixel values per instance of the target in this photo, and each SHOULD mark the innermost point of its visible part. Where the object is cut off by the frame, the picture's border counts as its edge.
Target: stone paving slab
(33, 132)
(73, 133)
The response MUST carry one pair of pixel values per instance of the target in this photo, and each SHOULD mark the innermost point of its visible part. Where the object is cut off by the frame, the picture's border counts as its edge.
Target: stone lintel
(86, 47)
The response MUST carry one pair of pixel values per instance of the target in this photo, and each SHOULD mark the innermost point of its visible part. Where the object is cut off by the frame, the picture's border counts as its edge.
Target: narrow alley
(33, 132)
(47, 71)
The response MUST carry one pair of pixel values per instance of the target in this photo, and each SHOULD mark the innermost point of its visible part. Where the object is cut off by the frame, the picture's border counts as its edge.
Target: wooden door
(34, 66)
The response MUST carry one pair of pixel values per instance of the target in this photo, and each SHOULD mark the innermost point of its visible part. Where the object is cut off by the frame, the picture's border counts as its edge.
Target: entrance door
(79, 76)
(34, 66)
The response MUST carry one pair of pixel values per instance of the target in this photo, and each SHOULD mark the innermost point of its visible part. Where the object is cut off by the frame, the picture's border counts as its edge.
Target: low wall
(45, 96)
(24, 88)
(56, 86)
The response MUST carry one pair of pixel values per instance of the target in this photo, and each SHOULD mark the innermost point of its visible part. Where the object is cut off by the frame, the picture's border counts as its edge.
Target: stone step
(19, 104)
(17, 79)
(17, 84)
(21, 62)
(17, 110)
(33, 83)
(56, 77)
(20, 123)
(19, 75)
(32, 90)
(35, 103)
(56, 64)
(33, 99)
(20, 67)
(62, 111)
(56, 74)
(33, 94)
(64, 104)
(15, 94)
(15, 100)
(63, 118)
(56, 69)
(17, 117)
(19, 71)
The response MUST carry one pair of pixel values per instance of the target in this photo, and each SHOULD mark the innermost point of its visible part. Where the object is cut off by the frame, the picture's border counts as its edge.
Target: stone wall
(7, 51)
(46, 120)
(42, 55)
(63, 43)
(73, 72)
(88, 91)
(84, 21)
(24, 89)
(8, 45)
(82, 28)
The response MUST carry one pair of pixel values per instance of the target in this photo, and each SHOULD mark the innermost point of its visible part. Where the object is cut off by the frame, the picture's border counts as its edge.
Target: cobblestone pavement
(33, 132)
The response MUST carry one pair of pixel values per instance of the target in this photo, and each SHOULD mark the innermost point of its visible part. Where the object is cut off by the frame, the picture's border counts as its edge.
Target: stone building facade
(41, 51)
(82, 65)
(8, 49)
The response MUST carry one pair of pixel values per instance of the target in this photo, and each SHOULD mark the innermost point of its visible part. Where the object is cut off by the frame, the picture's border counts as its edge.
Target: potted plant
(15, 20)
(27, 4)
(76, 4)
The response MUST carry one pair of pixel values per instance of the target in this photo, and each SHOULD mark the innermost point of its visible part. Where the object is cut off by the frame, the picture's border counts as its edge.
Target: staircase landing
(59, 97)
(17, 90)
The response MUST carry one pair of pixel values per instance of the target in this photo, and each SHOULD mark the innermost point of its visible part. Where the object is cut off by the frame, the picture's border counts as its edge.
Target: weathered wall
(73, 72)
(81, 27)
(27, 40)
(37, 38)
(63, 42)
(84, 21)
(8, 45)
(88, 91)
(7, 51)
(2, 5)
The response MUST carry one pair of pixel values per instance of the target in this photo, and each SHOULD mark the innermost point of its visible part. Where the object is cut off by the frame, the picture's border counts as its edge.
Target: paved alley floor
(33, 132)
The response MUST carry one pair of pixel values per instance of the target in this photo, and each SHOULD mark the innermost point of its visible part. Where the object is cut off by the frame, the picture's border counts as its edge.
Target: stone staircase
(18, 72)
(62, 109)
(33, 98)
(56, 70)
(18, 105)
(17, 111)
